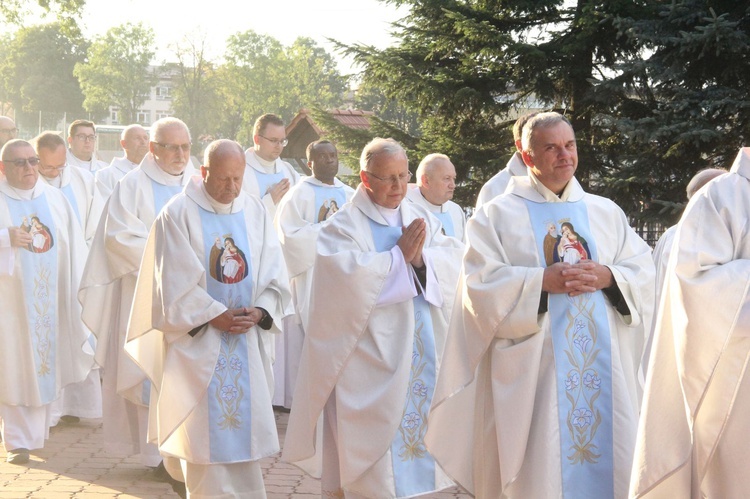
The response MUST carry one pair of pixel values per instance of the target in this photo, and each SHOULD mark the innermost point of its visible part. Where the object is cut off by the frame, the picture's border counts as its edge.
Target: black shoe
(18, 456)
(70, 419)
(163, 475)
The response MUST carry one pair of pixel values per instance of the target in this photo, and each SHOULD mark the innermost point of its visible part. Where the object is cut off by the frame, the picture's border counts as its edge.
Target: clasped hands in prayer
(585, 276)
(411, 242)
(237, 320)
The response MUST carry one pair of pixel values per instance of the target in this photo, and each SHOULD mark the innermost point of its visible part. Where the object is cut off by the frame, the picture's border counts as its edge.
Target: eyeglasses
(175, 147)
(8, 130)
(393, 179)
(85, 138)
(277, 142)
(21, 162)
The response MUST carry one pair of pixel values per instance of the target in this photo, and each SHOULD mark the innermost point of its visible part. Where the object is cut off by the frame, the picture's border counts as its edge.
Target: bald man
(134, 141)
(8, 130)
(213, 287)
(436, 181)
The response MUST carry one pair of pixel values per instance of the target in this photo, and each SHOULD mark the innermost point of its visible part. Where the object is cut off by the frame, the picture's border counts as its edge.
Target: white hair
(427, 162)
(160, 125)
(541, 120)
(379, 147)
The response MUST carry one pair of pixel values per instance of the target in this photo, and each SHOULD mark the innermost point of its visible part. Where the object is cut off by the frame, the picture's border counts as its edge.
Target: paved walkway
(73, 465)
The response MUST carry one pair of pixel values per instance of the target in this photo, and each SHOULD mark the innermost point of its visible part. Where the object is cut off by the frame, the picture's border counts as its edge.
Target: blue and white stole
(266, 180)
(39, 264)
(67, 190)
(413, 466)
(226, 245)
(162, 195)
(583, 359)
(325, 197)
(447, 222)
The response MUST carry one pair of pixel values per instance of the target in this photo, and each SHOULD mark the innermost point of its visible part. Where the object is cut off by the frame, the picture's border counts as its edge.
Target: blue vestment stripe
(413, 466)
(229, 279)
(40, 289)
(447, 221)
(266, 180)
(163, 194)
(71, 197)
(580, 334)
(328, 200)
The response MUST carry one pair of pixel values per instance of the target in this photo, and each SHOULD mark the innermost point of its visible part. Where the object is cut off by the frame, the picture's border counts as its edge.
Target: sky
(348, 21)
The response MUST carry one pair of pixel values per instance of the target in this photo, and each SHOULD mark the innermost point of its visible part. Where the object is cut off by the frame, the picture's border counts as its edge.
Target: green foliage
(117, 72)
(66, 12)
(36, 70)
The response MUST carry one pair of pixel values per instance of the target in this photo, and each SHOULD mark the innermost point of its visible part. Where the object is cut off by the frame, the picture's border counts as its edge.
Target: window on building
(114, 116)
(143, 117)
(162, 114)
(163, 93)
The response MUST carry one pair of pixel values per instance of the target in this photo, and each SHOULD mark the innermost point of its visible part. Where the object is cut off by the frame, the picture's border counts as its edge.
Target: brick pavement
(73, 465)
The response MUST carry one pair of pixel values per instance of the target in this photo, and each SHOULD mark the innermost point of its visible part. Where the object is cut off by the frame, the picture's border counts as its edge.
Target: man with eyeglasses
(436, 181)
(77, 184)
(109, 281)
(538, 392)
(42, 252)
(267, 175)
(82, 146)
(382, 289)
(8, 130)
(307, 207)
(134, 141)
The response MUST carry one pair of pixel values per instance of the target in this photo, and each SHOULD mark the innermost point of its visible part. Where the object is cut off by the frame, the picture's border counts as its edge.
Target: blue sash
(413, 466)
(229, 279)
(583, 355)
(71, 197)
(447, 221)
(328, 200)
(39, 264)
(266, 180)
(163, 194)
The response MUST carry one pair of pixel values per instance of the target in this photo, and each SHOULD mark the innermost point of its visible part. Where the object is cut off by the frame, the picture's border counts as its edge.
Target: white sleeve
(7, 253)
(399, 283)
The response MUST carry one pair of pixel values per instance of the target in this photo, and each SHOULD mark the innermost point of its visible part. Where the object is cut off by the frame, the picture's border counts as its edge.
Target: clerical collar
(391, 215)
(435, 208)
(269, 166)
(548, 195)
(26, 194)
(54, 181)
(220, 208)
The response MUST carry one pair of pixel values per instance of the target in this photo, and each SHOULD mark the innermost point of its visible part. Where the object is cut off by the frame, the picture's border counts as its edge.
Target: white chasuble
(694, 428)
(211, 401)
(451, 216)
(361, 356)
(43, 336)
(258, 179)
(79, 188)
(106, 178)
(535, 402)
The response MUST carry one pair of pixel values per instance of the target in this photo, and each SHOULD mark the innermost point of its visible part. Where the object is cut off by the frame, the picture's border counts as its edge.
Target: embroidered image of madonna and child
(227, 262)
(41, 236)
(564, 245)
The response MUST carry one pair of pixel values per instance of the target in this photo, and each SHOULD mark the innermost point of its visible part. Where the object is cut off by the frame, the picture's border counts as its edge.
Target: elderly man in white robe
(302, 213)
(211, 288)
(383, 286)
(41, 258)
(515, 167)
(693, 433)
(79, 400)
(109, 279)
(538, 392)
(82, 146)
(436, 181)
(134, 141)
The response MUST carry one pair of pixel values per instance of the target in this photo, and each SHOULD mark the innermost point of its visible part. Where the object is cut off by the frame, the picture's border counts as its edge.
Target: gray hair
(220, 147)
(702, 178)
(428, 161)
(379, 147)
(541, 120)
(160, 125)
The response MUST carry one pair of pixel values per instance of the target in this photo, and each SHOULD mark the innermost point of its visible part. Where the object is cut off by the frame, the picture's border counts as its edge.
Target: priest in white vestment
(41, 257)
(436, 181)
(82, 146)
(538, 393)
(383, 285)
(134, 141)
(109, 281)
(302, 213)
(693, 433)
(211, 289)
(84, 399)
(269, 177)
(515, 167)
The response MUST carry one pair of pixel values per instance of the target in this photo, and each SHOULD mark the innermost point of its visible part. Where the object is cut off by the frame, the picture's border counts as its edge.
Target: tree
(468, 67)
(36, 71)
(15, 11)
(117, 72)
